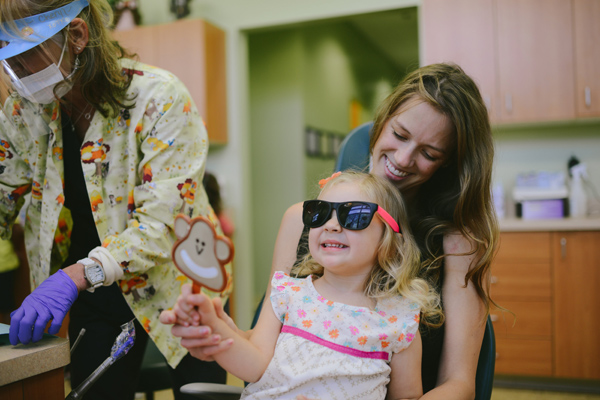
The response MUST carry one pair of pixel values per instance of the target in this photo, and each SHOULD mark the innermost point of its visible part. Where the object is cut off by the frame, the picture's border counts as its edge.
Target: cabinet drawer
(523, 357)
(524, 247)
(521, 281)
(532, 319)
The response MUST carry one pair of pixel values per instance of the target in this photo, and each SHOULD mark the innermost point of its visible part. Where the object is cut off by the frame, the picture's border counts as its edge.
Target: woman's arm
(405, 378)
(465, 325)
(247, 358)
(290, 231)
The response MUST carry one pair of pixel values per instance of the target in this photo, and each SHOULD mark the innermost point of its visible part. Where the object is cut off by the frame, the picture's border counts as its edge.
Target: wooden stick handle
(196, 287)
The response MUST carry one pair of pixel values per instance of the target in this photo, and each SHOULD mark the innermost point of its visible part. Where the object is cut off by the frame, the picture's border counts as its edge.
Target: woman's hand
(50, 301)
(201, 342)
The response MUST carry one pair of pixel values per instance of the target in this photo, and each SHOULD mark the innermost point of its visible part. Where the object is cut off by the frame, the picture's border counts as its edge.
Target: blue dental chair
(354, 154)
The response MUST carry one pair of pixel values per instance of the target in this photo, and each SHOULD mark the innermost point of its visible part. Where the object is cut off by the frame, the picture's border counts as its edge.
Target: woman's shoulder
(293, 215)
(144, 74)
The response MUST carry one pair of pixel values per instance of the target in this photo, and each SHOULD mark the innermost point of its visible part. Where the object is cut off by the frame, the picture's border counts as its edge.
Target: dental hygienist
(100, 153)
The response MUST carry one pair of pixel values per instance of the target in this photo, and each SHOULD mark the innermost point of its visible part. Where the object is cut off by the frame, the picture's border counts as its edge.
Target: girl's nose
(332, 224)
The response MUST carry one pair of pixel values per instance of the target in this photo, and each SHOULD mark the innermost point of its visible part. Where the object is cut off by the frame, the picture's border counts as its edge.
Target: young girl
(349, 330)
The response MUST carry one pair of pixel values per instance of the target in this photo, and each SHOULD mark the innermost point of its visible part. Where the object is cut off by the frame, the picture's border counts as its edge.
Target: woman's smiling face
(414, 143)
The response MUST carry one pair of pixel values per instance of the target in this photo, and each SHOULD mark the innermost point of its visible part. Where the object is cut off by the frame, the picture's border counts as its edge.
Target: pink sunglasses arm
(388, 218)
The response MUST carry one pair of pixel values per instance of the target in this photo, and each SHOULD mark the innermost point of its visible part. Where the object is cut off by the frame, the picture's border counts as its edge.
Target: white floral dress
(329, 350)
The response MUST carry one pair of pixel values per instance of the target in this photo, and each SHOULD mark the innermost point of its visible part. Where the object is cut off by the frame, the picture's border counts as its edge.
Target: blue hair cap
(37, 29)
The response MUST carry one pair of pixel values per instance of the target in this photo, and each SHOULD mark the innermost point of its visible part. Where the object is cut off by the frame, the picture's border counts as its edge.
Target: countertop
(24, 361)
(558, 224)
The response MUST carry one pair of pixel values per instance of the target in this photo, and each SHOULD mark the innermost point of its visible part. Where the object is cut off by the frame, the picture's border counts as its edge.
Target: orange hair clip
(323, 182)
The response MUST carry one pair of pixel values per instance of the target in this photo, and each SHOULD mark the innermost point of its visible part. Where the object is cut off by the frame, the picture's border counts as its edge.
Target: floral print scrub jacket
(330, 350)
(141, 168)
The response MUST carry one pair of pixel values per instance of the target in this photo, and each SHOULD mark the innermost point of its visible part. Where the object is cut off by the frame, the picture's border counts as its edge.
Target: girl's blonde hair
(102, 81)
(398, 262)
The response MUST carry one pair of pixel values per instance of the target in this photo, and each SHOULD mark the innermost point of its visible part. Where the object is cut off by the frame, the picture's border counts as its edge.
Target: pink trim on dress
(379, 355)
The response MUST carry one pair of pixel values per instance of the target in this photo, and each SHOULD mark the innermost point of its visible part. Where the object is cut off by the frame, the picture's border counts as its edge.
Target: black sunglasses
(351, 215)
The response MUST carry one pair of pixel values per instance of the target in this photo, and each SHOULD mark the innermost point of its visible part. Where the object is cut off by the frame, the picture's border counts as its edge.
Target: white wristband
(112, 269)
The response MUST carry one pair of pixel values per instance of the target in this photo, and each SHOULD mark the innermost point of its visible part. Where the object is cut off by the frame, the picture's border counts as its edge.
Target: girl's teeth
(339, 246)
(393, 169)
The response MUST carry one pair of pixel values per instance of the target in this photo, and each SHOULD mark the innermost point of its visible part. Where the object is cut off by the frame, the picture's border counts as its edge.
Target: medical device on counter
(122, 345)
(541, 195)
(577, 195)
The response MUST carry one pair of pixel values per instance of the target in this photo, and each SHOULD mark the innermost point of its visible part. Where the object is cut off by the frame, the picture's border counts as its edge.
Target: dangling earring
(76, 65)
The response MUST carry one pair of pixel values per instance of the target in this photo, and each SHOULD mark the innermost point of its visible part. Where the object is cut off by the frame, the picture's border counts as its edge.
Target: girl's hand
(206, 311)
(183, 312)
(187, 325)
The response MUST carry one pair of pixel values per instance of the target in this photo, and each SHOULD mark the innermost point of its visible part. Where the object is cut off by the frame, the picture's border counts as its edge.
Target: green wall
(340, 65)
(276, 137)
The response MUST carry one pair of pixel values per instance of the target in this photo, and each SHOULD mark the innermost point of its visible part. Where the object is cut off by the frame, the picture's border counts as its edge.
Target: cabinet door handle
(493, 317)
(588, 96)
(494, 279)
(563, 247)
(508, 103)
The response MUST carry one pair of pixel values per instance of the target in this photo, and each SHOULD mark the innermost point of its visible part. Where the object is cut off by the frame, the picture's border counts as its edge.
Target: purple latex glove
(50, 301)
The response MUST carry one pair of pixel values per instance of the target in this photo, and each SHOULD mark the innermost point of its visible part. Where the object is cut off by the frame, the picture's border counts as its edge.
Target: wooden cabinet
(576, 258)
(521, 283)
(457, 43)
(586, 14)
(534, 60)
(550, 281)
(193, 50)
